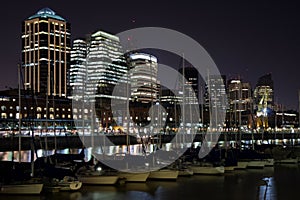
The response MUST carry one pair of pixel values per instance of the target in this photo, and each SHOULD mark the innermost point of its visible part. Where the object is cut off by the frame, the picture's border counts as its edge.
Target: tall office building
(46, 53)
(192, 82)
(214, 93)
(78, 68)
(143, 77)
(239, 95)
(240, 102)
(106, 65)
(215, 99)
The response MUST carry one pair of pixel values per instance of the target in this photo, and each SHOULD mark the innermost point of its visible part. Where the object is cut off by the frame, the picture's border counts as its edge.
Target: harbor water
(279, 182)
(275, 183)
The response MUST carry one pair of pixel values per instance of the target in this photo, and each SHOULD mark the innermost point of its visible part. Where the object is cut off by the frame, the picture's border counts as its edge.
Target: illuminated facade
(78, 68)
(264, 100)
(215, 99)
(240, 102)
(143, 77)
(264, 88)
(34, 111)
(46, 53)
(213, 86)
(191, 85)
(106, 65)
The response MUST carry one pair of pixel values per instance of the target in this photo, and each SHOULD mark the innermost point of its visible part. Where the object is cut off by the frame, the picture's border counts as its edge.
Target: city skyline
(249, 40)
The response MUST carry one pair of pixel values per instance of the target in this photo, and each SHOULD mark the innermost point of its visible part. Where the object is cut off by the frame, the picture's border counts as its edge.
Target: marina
(278, 182)
(145, 112)
(76, 174)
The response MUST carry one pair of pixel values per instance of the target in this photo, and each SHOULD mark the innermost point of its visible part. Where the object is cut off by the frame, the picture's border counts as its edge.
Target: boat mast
(127, 111)
(19, 80)
(183, 97)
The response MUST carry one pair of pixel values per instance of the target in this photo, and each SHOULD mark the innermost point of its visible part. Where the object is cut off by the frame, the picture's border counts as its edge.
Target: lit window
(3, 108)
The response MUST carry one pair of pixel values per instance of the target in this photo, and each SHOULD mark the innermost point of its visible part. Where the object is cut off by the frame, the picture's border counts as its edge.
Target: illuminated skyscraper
(213, 86)
(106, 65)
(240, 102)
(46, 53)
(191, 85)
(78, 67)
(143, 77)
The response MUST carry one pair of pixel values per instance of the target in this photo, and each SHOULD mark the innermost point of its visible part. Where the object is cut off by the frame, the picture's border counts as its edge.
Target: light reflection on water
(134, 149)
(283, 183)
(108, 150)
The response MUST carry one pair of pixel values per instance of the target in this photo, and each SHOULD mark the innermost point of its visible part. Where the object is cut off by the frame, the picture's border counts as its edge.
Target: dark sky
(246, 38)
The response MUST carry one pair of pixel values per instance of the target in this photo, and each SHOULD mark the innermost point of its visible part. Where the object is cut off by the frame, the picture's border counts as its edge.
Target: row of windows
(38, 116)
(38, 109)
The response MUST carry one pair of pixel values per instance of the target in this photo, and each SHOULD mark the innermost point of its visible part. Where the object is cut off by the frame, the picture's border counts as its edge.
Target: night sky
(244, 38)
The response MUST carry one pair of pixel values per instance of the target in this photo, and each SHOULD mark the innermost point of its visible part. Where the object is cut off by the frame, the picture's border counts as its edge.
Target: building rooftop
(46, 13)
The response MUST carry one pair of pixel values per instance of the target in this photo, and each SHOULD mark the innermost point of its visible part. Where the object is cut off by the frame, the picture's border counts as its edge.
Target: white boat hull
(134, 177)
(207, 170)
(241, 165)
(256, 164)
(269, 162)
(21, 189)
(229, 168)
(98, 180)
(185, 172)
(288, 161)
(164, 174)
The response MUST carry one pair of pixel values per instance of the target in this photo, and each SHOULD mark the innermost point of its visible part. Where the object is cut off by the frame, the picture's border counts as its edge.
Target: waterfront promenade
(73, 141)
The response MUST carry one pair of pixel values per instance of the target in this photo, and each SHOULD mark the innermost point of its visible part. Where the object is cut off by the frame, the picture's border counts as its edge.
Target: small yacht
(164, 174)
(21, 189)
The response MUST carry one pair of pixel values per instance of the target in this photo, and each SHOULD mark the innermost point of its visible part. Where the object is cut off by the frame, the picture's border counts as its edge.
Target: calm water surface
(280, 182)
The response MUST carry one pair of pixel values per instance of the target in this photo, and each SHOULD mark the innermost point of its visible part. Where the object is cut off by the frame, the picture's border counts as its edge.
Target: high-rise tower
(46, 53)
(106, 65)
(78, 71)
(143, 77)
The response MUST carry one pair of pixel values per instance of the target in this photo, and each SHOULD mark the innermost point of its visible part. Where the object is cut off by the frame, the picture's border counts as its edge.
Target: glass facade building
(78, 68)
(143, 77)
(106, 65)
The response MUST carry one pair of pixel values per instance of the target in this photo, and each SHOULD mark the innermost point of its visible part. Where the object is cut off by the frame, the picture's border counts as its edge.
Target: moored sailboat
(21, 188)
(164, 174)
